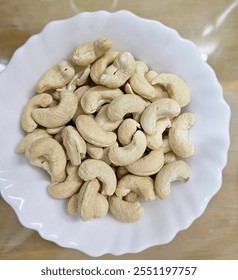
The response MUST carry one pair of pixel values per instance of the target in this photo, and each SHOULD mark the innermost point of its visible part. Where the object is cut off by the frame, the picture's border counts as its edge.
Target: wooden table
(213, 26)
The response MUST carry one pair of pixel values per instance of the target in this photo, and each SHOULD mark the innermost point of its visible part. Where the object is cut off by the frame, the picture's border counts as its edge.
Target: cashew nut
(41, 100)
(72, 206)
(161, 108)
(125, 211)
(178, 135)
(94, 152)
(91, 204)
(80, 78)
(69, 187)
(142, 186)
(120, 71)
(155, 140)
(56, 77)
(93, 133)
(126, 131)
(170, 172)
(148, 164)
(175, 86)
(169, 157)
(74, 144)
(123, 105)
(48, 154)
(58, 115)
(79, 93)
(130, 153)
(97, 96)
(139, 83)
(94, 168)
(87, 53)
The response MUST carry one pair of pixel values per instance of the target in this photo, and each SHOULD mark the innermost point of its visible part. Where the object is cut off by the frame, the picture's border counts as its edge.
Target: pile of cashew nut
(109, 131)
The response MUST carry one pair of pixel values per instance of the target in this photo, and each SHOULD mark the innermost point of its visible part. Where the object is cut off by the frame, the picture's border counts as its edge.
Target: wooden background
(213, 26)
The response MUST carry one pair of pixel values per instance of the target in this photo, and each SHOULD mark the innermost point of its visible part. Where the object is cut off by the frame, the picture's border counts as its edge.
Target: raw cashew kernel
(87, 53)
(125, 211)
(41, 100)
(56, 77)
(93, 133)
(120, 71)
(91, 204)
(126, 131)
(94, 152)
(72, 206)
(170, 172)
(58, 115)
(93, 168)
(79, 94)
(159, 109)
(142, 186)
(178, 135)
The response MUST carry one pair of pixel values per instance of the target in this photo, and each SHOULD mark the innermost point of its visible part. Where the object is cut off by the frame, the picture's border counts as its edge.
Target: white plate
(24, 186)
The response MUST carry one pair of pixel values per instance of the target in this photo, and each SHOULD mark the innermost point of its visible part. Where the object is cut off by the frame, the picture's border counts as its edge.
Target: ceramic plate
(24, 187)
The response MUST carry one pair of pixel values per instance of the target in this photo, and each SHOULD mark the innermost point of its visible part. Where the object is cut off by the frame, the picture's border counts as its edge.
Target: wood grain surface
(213, 26)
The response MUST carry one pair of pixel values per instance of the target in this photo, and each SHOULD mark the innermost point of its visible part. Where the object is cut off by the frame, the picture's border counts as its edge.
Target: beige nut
(91, 204)
(170, 172)
(142, 186)
(100, 65)
(58, 115)
(42, 100)
(175, 86)
(93, 168)
(106, 150)
(79, 94)
(121, 172)
(55, 130)
(147, 165)
(125, 211)
(123, 105)
(158, 109)
(128, 154)
(126, 131)
(87, 53)
(56, 77)
(48, 154)
(179, 135)
(72, 206)
(169, 157)
(155, 140)
(80, 78)
(69, 187)
(120, 71)
(97, 96)
(93, 133)
(74, 144)
(36, 134)
(139, 83)
(94, 152)
(104, 122)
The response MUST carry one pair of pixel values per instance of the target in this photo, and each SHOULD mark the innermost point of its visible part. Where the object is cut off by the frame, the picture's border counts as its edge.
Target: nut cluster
(109, 131)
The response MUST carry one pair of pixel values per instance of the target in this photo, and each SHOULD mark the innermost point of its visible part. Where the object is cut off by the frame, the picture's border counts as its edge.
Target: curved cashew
(56, 77)
(139, 83)
(36, 134)
(58, 115)
(94, 152)
(155, 140)
(69, 187)
(175, 86)
(91, 204)
(125, 211)
(42, 100)
(48, 154)
(105, 123)
(93, 133)
(170, 172)
(87, 53)
(147, 165)
(80, 78)
(100, 65)
(120, 71)
(142, 186)
(97, 96)
(130, 153)
(79, 94)
(74, 144)
(72, 206)
(165, 147)
(178, 135)
(169, 157)
(121, 172)
(94, 168)
(55, 130)
(106, 150)
(123, 105)
(126, 131)
(158, 109)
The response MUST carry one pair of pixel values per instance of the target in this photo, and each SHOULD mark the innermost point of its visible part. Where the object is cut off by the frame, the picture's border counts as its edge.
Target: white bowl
(24, 186)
